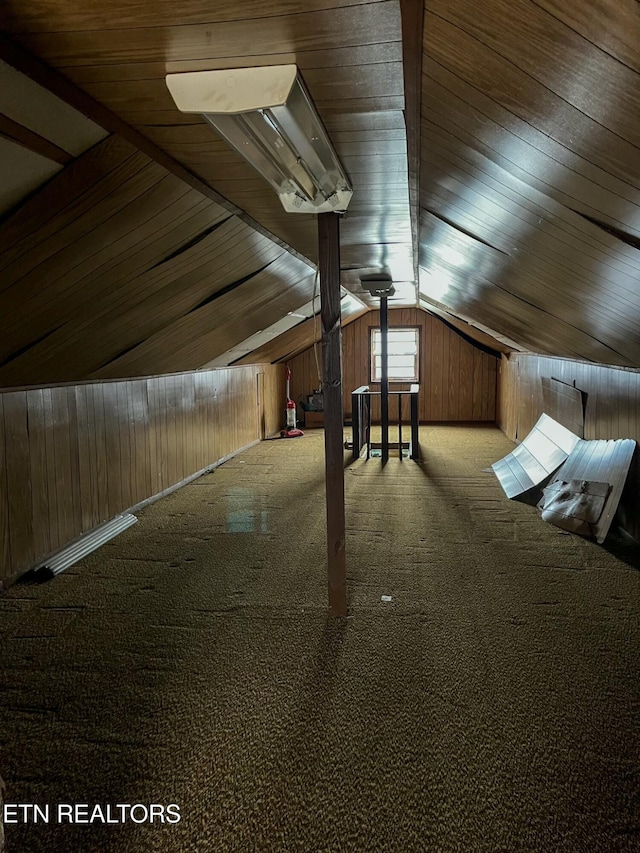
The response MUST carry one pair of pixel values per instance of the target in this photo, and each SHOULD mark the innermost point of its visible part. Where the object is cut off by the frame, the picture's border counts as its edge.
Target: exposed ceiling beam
(15, 132)
(412, 12)
(63, 88)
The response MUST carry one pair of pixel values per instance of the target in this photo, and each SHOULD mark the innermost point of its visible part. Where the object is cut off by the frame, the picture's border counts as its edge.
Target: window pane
(400, 372)
(402, 345)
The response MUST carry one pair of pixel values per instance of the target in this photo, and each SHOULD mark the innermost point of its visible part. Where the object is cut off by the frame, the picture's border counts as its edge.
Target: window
(403, 354)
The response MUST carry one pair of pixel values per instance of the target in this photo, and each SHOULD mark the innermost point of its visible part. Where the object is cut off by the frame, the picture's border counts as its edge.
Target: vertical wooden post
(384, 378)
(329, 266)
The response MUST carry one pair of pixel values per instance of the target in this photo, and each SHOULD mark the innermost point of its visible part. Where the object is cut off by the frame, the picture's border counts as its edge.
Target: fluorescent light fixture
(86, 544)
(267, 115)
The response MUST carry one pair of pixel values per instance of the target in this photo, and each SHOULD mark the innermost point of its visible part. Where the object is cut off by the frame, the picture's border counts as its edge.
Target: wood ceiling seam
(548, 240)
(69, 335)
(537, 184)
(514, 44)
(623, 236)
(602, 174)
(354, 56)
(113, 275)
(123, 174)
(122, 354)
(126, 320)
(609, 172)
(559, 212)
(548, 313)
(494, 312)
(485, 348)
(58, 261)
(200, 255)
(199, 275)
(462, 230)
(575, 206)
(621, 317)
(172, 342)
(168, 276)
(469, 94)
(181, 210)
(466, 327)
(198, 238)
(201, 207)
(31, 214)
(590, 280)
(217, 294)
(600, 23)
(479, 71)
(210, 16)
(374, 23)
(13, 356)
(28, 64)
(82, 224)
(572, 341)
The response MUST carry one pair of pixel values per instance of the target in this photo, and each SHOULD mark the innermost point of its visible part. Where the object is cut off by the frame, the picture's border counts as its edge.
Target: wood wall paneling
(74, 456)
(612, 409)
(19, 485)
(457, 379)
(5, 545)
(612, 395)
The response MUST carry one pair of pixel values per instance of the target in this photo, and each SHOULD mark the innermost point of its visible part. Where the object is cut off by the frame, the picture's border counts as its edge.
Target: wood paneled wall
(74, 456)
(457, 379)
(613, 402)
(612, 407)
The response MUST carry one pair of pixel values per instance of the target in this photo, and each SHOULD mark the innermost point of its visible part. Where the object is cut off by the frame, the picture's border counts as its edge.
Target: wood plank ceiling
(530, 171)
(349, 53)
(523, 177)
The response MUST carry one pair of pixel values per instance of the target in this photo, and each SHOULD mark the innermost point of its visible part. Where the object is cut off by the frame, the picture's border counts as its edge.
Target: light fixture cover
(378, 284)
(267, 115)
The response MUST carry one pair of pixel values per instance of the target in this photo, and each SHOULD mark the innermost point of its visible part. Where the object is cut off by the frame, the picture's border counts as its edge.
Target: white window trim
(416, 377)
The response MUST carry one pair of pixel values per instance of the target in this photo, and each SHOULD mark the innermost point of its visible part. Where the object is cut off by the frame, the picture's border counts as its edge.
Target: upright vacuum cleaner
(291, 430)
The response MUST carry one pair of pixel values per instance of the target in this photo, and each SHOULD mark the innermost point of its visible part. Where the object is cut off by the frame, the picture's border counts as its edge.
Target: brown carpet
(490, 707)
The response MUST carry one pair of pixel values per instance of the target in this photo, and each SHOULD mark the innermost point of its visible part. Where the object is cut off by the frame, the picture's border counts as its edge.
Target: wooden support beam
(329, 266)
(384, 377)
(26, 63)
(412, 14)
(14, 132)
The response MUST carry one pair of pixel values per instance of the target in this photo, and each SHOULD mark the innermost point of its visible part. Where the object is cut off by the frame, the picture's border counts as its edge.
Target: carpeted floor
(492, 706)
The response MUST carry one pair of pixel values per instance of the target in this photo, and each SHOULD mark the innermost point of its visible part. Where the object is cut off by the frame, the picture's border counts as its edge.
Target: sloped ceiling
(493, 152)
(530, 171)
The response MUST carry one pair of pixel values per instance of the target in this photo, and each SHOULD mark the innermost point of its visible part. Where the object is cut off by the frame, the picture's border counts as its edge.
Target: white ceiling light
(267, 115)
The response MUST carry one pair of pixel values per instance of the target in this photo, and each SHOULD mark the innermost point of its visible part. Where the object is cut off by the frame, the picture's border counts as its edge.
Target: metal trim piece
(86, 544)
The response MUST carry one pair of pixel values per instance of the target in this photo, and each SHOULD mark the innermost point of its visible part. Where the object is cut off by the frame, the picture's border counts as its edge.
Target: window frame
(418, 359)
